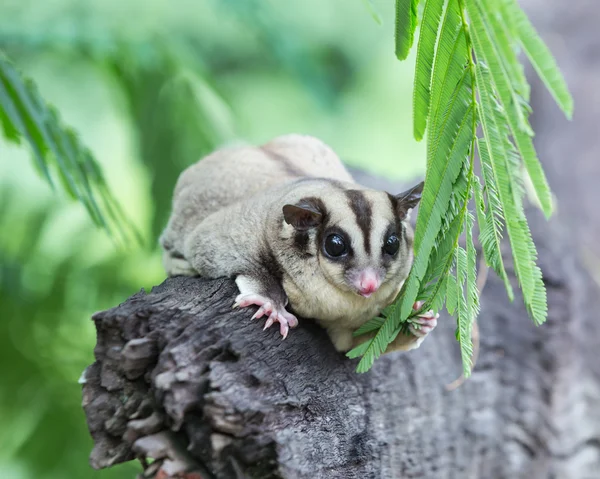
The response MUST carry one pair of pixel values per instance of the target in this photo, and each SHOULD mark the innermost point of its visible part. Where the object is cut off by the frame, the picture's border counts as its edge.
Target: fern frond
(24, 114)
(452, 293)
(437, 298)
(468, 49)
(509, 48)
(446, 242)
(502, 173)
(432, 15)
(465, 323)
(371, 325)
(490, 220)
(540, 57)
(451, 55)
(358, 351)
(463, 319)
(452, 146)
(406, 24)
(487, 49)
(376, 346)
(451, 134)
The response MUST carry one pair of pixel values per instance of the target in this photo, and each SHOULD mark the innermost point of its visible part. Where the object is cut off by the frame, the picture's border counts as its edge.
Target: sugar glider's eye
(335, 246)
(391, 245)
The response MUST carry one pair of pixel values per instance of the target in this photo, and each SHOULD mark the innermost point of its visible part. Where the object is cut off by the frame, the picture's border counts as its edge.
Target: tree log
(182, 378)
(244, 403)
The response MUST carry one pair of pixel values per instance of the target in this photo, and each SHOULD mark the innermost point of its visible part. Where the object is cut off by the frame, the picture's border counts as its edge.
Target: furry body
(262, 216)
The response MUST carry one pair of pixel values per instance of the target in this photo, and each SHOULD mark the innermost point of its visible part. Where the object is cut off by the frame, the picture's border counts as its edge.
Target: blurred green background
(151, 86)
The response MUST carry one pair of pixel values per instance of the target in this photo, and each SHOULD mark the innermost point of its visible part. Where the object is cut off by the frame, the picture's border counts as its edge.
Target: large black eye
(335, 246)
(391, 245)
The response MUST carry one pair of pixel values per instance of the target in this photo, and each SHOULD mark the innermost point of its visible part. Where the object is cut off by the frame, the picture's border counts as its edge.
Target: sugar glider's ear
(304, 215)
(407, 200)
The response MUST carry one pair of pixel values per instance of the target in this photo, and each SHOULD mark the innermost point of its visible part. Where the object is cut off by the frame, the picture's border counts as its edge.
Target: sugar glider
(300, 237)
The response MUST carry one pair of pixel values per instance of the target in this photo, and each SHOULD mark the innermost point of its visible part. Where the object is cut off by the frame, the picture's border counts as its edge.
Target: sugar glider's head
(361, 238)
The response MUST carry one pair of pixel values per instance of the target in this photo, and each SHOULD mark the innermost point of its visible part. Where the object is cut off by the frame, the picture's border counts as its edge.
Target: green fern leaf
(509, 49)
(447, 84)
(451, 91)
(377, 345)
(432, 14)
(486, 48)
(490, 221)
(467, 300)
(450, 57)
(463, 319)
(358, 351)
(537, 52)
(448, 161)
(538, 310)
(406, 24)
(446, 242)
(452, 293)
(437, 297)
(452, 149)
(503, 175)
(369, 326)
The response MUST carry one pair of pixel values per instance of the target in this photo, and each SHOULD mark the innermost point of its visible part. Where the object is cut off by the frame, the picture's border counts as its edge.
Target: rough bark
(179, 373)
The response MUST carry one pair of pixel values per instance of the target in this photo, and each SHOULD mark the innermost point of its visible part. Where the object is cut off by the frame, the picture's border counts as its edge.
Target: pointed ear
(302, 216)
(407, 200)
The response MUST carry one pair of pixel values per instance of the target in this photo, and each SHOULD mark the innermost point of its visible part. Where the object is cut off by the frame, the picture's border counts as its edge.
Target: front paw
(268, 308)
(420, 326)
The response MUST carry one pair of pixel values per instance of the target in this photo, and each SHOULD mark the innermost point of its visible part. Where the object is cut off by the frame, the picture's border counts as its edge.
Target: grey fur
(228, 220)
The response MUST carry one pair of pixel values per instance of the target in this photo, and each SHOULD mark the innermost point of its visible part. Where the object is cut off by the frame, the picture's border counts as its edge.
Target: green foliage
(406, 24)
(24, 114)
(468, 78)
(432, 14)
(540, 57)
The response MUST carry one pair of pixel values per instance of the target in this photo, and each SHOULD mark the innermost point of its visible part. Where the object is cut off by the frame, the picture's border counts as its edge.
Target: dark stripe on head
(398, 223)
(363, 211)
(284, 163)
(313, 179)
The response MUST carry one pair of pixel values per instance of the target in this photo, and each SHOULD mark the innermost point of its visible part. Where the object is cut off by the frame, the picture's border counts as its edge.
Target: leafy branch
(171, 98)
(57, 150)
(468, 78)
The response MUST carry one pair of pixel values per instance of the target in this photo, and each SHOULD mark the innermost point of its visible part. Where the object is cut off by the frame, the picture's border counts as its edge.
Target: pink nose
(368, 283)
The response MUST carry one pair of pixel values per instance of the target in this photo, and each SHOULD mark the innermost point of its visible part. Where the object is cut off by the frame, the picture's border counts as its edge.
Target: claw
(284, 329)
(264, 309)
(275, 314)
(269, 322)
